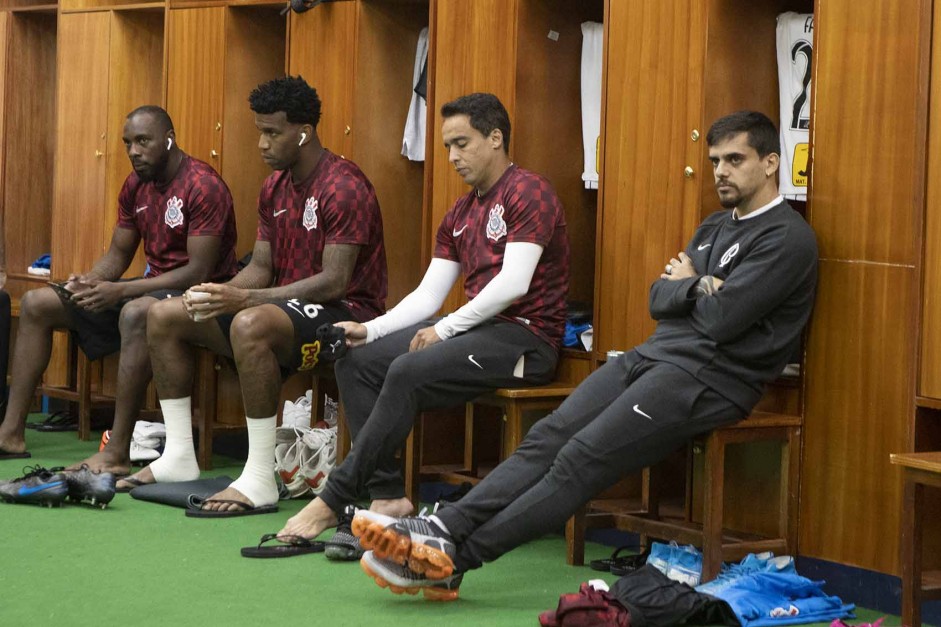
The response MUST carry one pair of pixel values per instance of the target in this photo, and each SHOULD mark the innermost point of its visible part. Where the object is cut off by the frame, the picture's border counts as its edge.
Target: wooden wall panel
(195, 69)
(322, 50)
(859, 382)
(477, 50)
(255, 43)
(547, 130)
(649, 210)
(81, 132)
(4, 51)
(135, 79)
(388, 36)
(870, 69)
(930, 374)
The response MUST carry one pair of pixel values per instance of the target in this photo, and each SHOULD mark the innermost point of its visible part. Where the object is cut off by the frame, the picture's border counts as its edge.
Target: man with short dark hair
(729, 309)
(319, 258)
(508, 238)
(182, 211)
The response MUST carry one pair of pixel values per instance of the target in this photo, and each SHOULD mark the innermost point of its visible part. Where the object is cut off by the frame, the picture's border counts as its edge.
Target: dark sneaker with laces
(95, 488)
(401, 579)
(344, 546)
(413, 541)
(37, 485)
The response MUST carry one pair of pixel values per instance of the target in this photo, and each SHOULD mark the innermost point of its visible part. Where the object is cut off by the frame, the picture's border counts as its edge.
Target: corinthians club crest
(174, 213)
(496, 225)
(310, 213)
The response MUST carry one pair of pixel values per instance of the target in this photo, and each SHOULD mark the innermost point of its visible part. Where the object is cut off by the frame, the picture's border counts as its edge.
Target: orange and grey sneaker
(413, 541)
(401, 579)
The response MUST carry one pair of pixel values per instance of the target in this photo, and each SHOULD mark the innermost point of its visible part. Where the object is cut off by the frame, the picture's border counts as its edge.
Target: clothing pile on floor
(760, 590)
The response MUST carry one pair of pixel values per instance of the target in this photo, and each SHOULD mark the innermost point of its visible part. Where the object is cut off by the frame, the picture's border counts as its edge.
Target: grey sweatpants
(627, 415)
(383, 387)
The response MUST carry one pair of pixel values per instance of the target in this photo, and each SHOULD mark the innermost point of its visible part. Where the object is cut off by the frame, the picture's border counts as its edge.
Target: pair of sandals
(57, 421)
(621, 563)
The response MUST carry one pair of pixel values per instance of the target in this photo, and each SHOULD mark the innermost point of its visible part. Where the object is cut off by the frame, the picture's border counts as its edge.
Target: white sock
(257, 479)
(440, 524)
(178, 462)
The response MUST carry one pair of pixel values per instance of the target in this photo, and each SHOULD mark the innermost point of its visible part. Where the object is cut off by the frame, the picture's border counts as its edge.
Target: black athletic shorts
(307, 318)
(98, 333)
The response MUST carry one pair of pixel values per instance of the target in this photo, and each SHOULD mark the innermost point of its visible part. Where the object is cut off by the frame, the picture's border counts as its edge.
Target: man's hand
(708, 285)
(208, 300)
(679, 269)
(3, 278)
(97, 295)
(355, 332)
(423, 339)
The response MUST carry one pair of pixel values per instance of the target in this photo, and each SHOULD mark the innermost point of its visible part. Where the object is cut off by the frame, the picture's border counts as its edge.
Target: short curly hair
(290, 94)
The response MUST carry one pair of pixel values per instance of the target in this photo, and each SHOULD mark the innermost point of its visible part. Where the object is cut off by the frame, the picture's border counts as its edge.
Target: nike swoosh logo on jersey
(471, 358)
(139, 209)
(703, 246)
(277, 213)
(456, 232)
(637, 409)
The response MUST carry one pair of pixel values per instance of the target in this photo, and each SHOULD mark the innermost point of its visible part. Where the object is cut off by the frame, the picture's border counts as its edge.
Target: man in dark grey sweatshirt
(730, 310)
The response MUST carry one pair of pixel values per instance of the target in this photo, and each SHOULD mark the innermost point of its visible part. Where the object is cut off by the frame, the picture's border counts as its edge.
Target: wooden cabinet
(360, 56)
(528, 53)
(216, 56)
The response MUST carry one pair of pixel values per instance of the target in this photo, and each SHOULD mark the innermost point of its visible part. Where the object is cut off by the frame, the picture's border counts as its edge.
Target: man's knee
(40, 305)
(133, 317)
(255, 326)
(165, 315)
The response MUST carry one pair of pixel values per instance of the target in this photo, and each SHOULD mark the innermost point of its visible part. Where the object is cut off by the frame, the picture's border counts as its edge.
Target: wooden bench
(918, 470)
(515, 404)
(718, 544)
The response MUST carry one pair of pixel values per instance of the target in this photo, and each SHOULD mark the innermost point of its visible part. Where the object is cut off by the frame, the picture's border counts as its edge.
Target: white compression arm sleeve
(519, 264)
(420, 304)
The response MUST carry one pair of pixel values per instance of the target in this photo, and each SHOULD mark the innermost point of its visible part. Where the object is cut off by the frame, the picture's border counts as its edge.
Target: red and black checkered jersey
(196, 201)
(335, 204)
(520, 207)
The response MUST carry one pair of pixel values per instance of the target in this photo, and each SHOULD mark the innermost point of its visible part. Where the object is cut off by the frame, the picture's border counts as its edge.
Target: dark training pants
(627, 415)
(384, 387)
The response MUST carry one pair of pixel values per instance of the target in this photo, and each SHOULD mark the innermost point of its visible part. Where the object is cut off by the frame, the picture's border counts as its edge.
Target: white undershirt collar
(760, 210)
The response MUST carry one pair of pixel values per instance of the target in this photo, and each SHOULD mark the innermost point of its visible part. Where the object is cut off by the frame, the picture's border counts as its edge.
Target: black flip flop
(604, 565)
(9, 455)
(59, 421)
(196, 510)
(626, 564)
(292, 545)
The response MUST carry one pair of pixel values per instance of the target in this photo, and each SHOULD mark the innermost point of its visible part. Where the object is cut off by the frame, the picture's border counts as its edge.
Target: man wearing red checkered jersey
(507, 237)
(181, 210)
(318, 259)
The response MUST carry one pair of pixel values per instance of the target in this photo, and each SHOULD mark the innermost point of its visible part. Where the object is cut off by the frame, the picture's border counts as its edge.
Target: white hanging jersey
(592, 47)
(795, 39)
(413, 142)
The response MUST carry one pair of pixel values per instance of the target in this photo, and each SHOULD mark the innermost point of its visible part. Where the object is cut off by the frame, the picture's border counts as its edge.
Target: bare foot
(311, 521)
(143, 477)
(106, 461)
(229, 494)
(397, 508)
(12, 443)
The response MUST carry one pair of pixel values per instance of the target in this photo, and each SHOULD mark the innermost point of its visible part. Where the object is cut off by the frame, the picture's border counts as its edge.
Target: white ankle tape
(257, 479)
(178, 462)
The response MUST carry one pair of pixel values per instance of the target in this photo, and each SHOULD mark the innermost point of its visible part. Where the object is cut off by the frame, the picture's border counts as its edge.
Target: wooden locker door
(195, 80)
(323, 51)
(649, 209)
(79, 203)
(4, 43)
(476, 52)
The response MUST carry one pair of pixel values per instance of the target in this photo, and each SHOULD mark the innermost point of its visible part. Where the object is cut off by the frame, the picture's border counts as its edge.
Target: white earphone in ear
(169, 142)
(303, 139)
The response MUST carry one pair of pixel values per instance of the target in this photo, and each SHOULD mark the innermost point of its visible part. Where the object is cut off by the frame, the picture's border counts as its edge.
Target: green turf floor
(137, 563)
